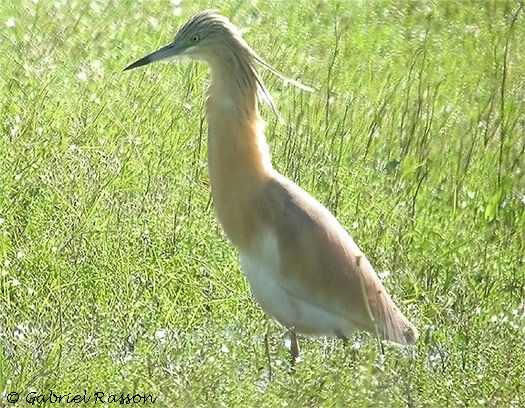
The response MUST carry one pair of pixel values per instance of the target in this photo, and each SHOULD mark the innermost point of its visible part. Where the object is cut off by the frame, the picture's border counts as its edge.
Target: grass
(115, 276)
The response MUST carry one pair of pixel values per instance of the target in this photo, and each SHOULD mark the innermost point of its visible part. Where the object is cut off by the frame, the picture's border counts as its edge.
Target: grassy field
(114, 274)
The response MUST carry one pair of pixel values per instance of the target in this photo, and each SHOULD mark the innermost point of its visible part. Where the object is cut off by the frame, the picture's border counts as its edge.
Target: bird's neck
(238, 157)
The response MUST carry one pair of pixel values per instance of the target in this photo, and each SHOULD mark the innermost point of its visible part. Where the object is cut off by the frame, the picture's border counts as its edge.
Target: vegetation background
(114, 275)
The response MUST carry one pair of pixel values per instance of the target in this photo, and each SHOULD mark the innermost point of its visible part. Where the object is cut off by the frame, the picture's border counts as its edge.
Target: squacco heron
(302, 266)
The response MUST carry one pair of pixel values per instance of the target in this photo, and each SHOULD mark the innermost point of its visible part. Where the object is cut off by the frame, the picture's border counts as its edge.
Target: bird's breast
(263, 267)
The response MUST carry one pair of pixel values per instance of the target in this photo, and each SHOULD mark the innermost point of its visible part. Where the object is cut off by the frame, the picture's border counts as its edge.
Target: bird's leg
(294, 345)
(381, 348)
(344, 339)
(267, 349)
(346, 346)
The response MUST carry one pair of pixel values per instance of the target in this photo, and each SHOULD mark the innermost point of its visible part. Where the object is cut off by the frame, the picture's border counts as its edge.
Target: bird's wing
(322, 264)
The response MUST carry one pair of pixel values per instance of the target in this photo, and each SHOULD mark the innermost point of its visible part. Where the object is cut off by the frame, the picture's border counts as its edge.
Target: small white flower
(447, 109)
(21, 331)
(20, 254)
(14, 130)
(355, 225)
(4, 273)
(177, 11)
(15, 282)
(97, 68)
(161, 335)
(19, 334)
(225, 348)
(89, 340)
(175, 3)
(154, 22)
(96, 8)
(472, 29)
(383, 275)
(288, 344)
(1, 220)
(23, 328)
(82, 76)
(10, 22)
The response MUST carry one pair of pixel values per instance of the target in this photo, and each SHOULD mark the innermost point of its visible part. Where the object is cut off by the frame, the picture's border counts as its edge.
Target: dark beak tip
(129, 67)
(143, 61)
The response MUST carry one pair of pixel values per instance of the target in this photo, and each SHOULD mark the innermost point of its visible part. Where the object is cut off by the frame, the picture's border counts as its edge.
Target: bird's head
(211, 37)
(203, 37)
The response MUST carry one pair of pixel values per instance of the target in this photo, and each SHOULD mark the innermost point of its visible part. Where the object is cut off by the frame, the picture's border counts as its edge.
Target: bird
(303, 268)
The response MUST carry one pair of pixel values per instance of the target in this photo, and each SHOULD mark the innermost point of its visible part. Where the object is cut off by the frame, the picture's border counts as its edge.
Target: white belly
(285, 301)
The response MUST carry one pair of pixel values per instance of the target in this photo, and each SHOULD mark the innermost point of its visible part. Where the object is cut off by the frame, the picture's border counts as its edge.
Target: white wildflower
(97, 68)
(161, 335)
(383, 275)
(20, 332)
(82, 76)
(153, 22)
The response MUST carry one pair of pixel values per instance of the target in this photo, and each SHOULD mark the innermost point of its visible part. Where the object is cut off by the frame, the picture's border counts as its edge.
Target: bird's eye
(195, 38)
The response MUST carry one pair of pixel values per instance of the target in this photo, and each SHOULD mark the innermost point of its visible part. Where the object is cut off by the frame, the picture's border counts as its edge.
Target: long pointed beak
(170, 50)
